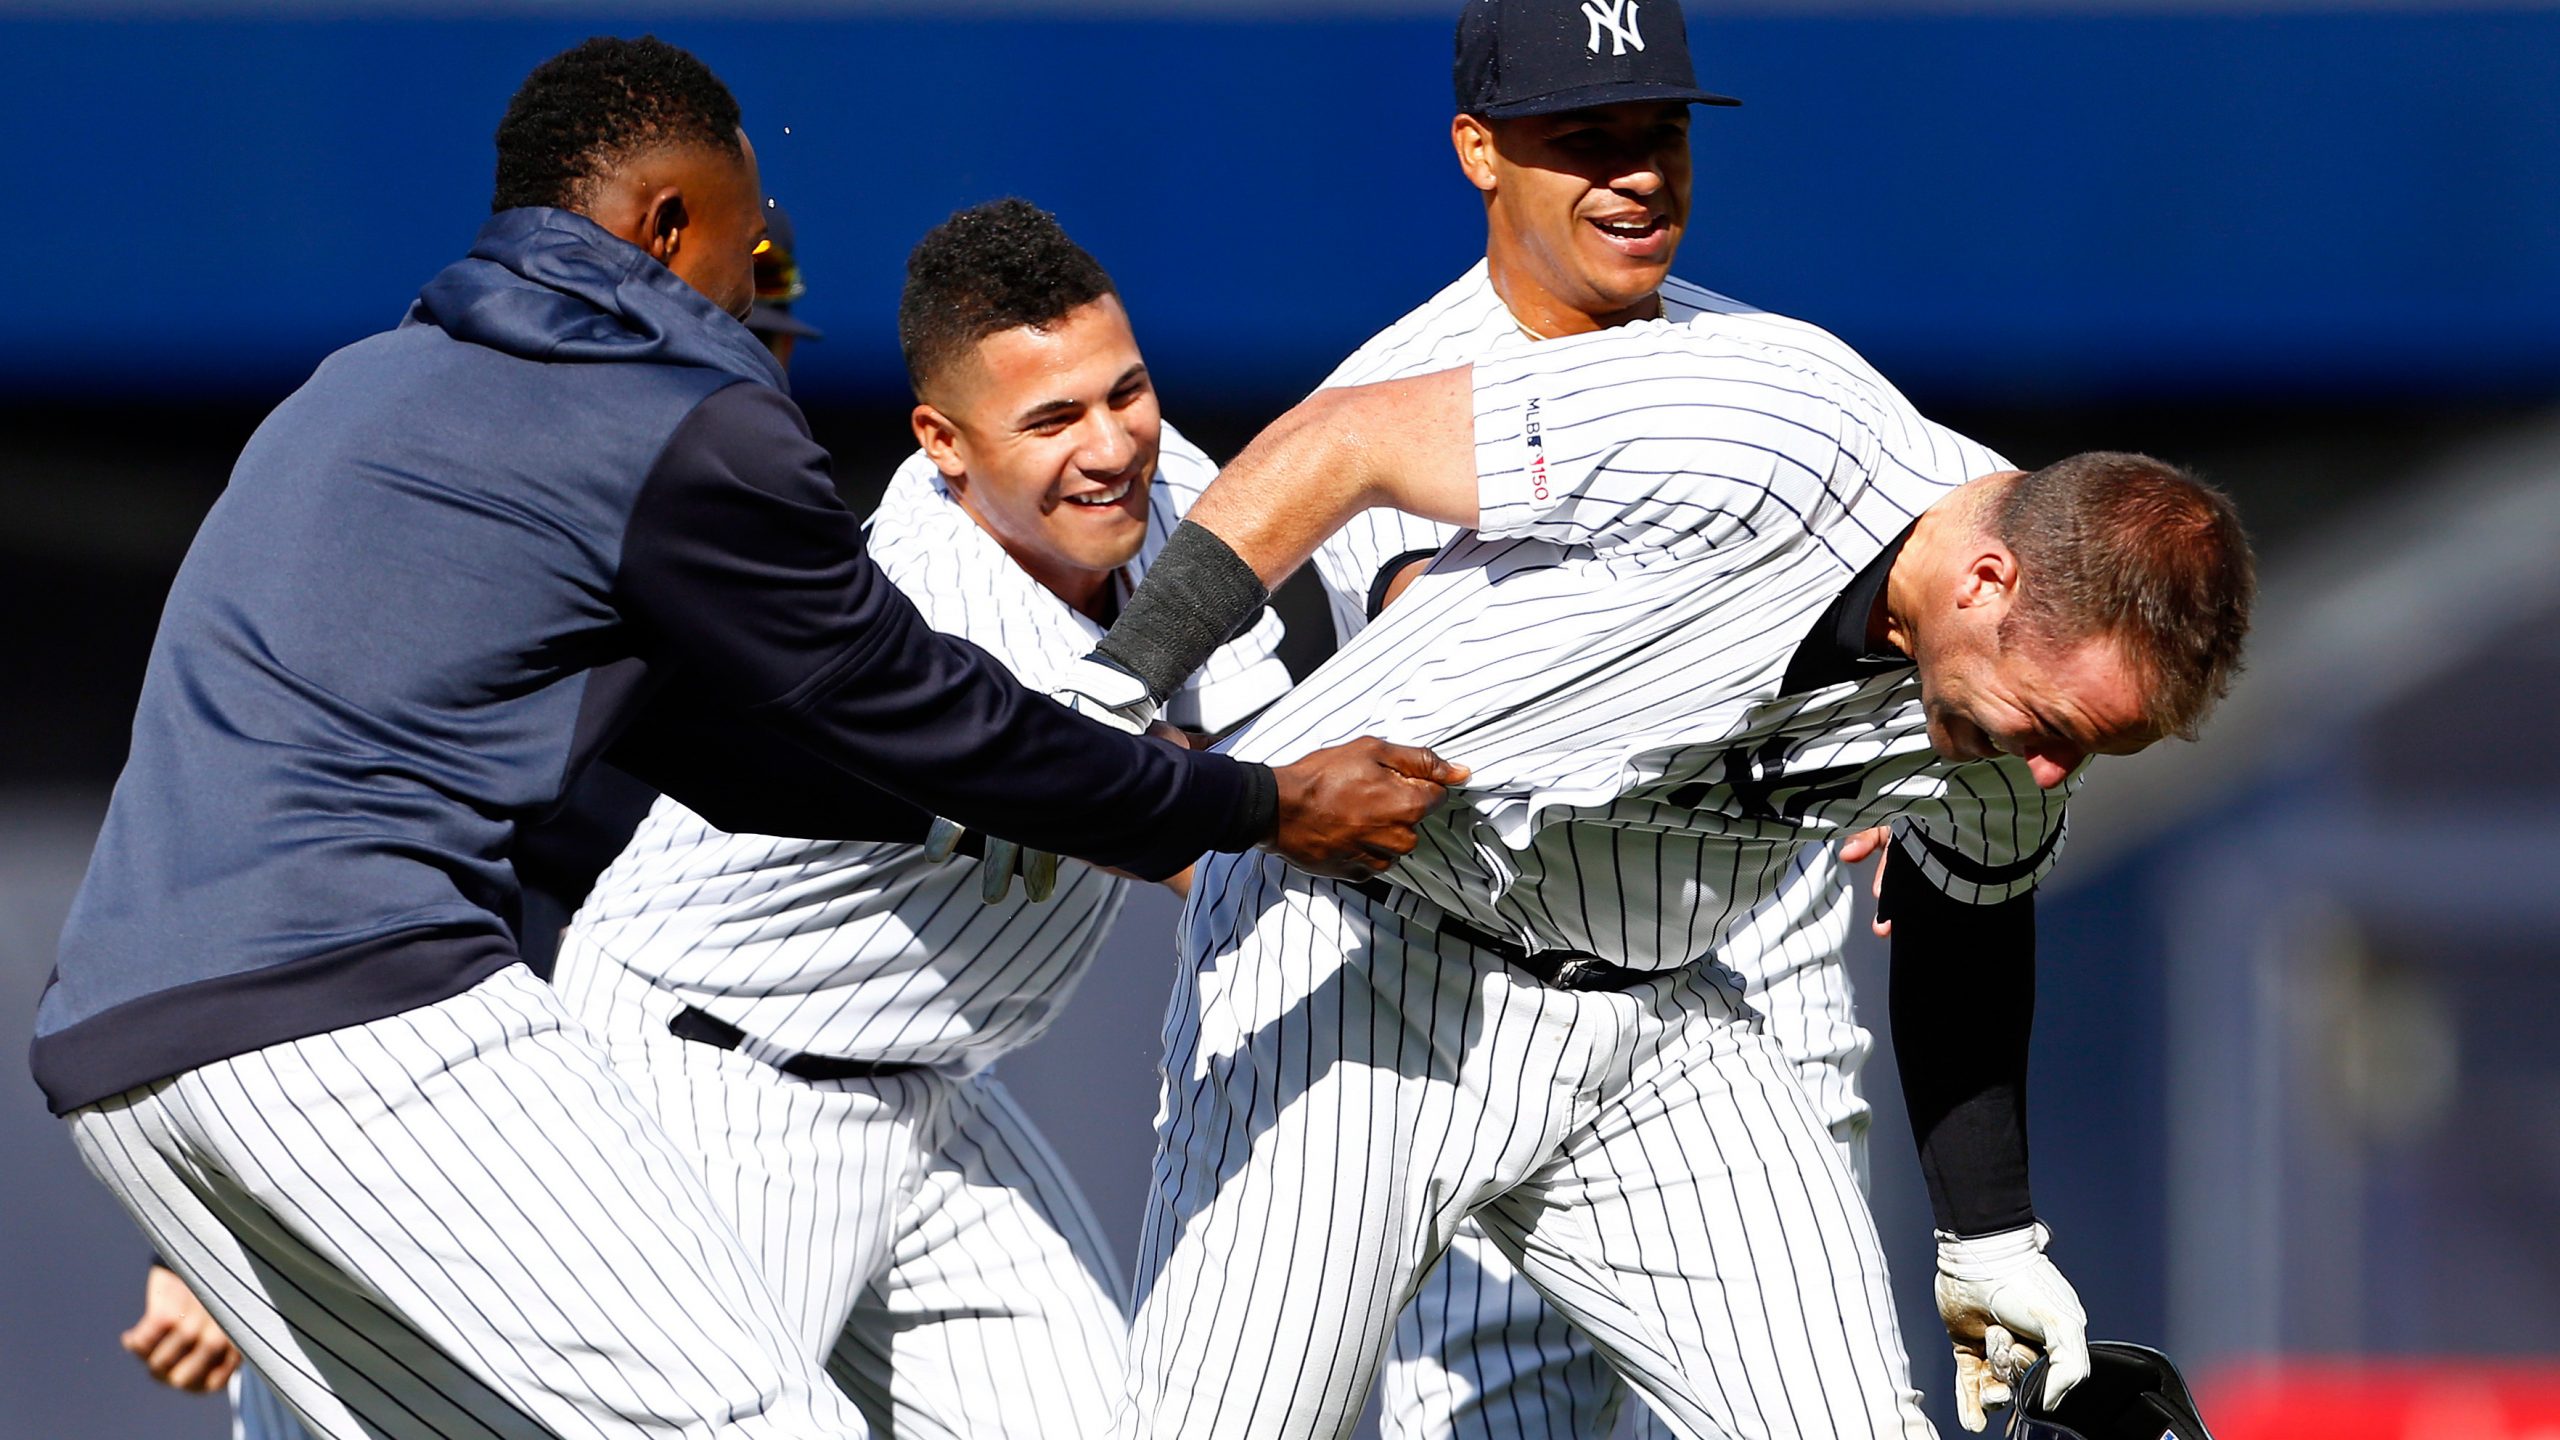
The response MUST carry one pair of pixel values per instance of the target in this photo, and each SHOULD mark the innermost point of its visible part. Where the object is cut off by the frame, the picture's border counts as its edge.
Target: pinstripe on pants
(1344, 1084)
(456, 1222)
(923, 1240)
(1480, 1355)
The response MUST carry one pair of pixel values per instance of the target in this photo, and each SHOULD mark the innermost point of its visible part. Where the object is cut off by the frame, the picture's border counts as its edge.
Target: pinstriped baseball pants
(456, 1222)
(923, 1240)
(1480, 1355)
(1345, 1084)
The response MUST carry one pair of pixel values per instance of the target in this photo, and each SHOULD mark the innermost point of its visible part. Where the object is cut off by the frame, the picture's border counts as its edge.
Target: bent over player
(564, 506)
(811, 1019)
(1579, 148)
(1718, 598)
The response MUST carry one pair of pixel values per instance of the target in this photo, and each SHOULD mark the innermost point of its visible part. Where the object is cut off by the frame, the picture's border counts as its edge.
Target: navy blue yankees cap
(1536, 57)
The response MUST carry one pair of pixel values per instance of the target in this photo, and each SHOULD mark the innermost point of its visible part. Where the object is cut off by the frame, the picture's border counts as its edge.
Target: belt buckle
(1576, 974)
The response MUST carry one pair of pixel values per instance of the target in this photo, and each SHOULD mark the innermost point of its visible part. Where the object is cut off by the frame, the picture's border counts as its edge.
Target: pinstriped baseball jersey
(1788, 953)
(1465, 323)
(871, 951)
(1665, 513)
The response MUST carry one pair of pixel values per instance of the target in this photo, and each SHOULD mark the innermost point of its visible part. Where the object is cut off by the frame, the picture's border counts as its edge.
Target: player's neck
(1542, 315)
(1922, 569)
(1089, 593)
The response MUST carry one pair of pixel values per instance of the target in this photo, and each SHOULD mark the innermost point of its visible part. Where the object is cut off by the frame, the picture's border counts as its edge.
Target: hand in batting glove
(1096, 689)
(1099, 690)
(2000, 1298)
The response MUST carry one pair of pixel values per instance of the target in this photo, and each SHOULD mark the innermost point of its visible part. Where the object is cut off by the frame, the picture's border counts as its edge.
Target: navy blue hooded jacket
(565, 506)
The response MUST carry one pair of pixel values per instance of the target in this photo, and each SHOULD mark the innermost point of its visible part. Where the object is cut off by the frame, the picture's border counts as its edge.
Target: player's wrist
(1256, 818)
(1198, 595)
(1986, 1257)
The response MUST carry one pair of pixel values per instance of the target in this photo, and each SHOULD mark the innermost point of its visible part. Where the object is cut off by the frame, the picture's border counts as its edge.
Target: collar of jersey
(1836, 651)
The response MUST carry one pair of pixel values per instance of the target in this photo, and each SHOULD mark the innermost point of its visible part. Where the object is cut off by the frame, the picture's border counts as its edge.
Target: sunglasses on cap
(777, 274)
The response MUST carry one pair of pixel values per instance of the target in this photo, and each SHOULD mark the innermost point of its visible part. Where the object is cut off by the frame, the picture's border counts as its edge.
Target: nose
(1108, 447)
(1640, 176)
(2052, 764)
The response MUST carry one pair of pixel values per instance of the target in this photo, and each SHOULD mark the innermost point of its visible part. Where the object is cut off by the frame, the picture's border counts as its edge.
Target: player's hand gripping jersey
(871, 950)
(1630, 650)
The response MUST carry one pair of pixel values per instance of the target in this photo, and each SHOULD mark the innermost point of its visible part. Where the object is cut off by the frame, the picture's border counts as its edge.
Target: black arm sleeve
(747, 779)
(742, 566)
(1964, 1000)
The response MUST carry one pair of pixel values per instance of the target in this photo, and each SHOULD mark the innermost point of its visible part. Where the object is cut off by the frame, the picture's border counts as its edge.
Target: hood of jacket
(554, 285)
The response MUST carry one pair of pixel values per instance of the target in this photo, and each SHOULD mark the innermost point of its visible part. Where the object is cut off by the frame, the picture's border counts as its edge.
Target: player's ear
(1990, 578)
(940, 438)
(1473, 140)
(663, 221)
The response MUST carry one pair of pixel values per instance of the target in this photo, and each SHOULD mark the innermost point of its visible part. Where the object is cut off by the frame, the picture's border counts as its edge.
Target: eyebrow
(1062, 407)
(1046, 411)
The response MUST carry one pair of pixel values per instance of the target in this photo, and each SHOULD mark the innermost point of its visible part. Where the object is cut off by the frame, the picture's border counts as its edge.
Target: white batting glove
(1096, 689)
(2000, 1298)
(1099, 690)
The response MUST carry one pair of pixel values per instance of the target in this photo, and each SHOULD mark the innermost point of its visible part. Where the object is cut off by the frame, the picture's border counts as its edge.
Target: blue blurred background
(2295, 1093)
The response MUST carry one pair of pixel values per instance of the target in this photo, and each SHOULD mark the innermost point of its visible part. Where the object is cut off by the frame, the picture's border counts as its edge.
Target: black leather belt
(1560, 969)
(706, 1029)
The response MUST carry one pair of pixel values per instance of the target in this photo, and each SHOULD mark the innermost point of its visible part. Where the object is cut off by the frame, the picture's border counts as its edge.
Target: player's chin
(1942, 739)
(1099, 542)
(1620, 283)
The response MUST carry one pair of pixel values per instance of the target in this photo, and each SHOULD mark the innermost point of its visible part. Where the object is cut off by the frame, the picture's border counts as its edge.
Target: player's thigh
(1479, 1354)
(1337, 1095)
(1705, 1234)
(457, 1222)
(811, 1174)
(1000, 1312)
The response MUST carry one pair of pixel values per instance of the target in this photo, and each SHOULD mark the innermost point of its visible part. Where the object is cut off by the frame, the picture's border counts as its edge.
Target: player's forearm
(1963, 1001)
(1338, 453)
(1406, 443)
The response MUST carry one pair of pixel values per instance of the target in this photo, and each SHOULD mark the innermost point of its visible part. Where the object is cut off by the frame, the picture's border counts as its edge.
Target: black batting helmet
(2132, 1393)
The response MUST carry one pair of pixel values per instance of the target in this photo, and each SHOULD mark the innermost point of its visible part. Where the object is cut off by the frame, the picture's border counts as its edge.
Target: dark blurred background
(2295, 1098)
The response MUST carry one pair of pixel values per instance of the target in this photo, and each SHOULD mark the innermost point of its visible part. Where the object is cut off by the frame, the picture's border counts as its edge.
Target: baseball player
(812, 1020)
(564, 507)
(1579, 146)
(1718, 597)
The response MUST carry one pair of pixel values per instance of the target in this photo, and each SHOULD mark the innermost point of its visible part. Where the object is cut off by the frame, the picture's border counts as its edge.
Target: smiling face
(1048, 436)
(1988, 685)
(1584, 209)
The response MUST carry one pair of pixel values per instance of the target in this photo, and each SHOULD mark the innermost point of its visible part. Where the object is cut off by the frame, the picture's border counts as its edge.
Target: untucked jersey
(1665, 512)
(872, 951)
(1788, 951)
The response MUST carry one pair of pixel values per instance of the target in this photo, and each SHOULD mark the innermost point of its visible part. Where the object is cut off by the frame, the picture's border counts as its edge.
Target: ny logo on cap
(1620, 18)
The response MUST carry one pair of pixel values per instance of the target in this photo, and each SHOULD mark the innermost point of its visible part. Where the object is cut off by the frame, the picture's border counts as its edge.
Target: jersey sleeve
(740, 565)
(1990, 834)
(1654, 436)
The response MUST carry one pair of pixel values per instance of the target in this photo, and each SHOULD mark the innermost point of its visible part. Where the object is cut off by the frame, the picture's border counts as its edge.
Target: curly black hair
(598, 103)
(991, 267)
